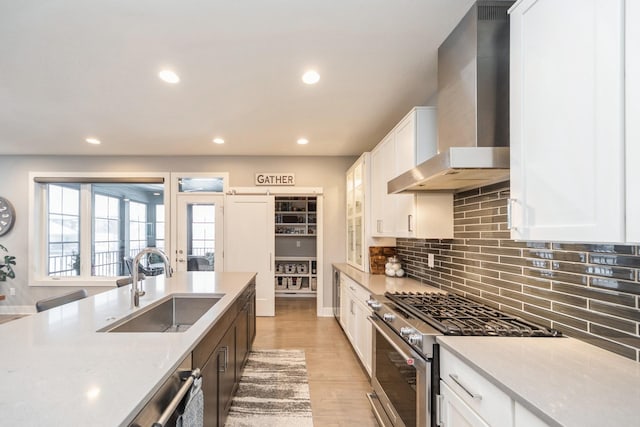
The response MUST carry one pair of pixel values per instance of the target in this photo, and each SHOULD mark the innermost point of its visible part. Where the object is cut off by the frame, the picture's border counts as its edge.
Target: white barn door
(250, 244)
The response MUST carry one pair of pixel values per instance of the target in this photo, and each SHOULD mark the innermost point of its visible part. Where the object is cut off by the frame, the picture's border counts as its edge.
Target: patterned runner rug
(273, 391)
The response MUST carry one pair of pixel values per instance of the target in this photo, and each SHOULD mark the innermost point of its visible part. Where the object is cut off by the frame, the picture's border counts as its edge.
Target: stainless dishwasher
(155, 408)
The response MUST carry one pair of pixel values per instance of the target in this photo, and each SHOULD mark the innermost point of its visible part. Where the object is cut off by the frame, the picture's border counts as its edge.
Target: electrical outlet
(12, 291)
(297, 243)
(431, 260)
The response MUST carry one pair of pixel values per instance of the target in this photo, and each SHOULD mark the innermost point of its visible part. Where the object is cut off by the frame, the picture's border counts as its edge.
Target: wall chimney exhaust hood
(473, 106)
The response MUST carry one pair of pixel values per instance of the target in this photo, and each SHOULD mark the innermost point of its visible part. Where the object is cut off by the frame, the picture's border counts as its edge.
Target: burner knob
(388, 317)
(405, 331)
(375, 305)
(415, 339)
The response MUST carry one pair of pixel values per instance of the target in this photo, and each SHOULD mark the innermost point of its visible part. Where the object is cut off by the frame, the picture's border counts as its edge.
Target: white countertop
(564, 381)
(55, 369)
(378, 284)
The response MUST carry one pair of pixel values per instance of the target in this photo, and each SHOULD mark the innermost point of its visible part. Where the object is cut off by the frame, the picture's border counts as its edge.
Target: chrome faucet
(135, 293)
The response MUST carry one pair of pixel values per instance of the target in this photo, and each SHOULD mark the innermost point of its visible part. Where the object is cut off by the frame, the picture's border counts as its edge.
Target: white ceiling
(71, 69)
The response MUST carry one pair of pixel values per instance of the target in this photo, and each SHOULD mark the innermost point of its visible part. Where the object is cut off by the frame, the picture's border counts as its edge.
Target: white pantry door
(250, 244)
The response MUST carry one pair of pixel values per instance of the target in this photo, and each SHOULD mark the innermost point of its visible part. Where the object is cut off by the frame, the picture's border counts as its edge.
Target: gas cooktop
(456, 315)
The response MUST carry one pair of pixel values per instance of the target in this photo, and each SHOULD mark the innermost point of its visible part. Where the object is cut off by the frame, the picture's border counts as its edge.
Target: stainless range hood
(473, 106)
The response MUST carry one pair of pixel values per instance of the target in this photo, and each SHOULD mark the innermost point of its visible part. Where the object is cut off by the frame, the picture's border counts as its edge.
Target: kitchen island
(56, 369)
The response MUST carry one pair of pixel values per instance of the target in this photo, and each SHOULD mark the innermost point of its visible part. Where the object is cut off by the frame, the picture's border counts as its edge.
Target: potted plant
(5, 266)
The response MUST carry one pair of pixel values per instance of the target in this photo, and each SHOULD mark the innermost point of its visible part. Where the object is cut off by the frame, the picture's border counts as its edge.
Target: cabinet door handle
(473, 394)
(225, 351)
(510, 214)
(379, 225)
(409, 222)
(439, 406)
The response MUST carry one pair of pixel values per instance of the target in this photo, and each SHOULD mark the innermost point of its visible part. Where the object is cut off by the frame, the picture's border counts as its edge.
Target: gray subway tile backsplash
(587, 291)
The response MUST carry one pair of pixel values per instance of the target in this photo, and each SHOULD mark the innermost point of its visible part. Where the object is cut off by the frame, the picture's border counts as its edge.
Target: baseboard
(325, 312)
(17, 309)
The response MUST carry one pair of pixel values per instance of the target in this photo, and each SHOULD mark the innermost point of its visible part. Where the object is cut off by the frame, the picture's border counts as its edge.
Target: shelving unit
(296, 246)
(295, 216)
(296, 276)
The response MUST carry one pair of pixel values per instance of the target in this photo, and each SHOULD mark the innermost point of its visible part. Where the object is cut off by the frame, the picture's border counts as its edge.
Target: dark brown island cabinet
(222, 354)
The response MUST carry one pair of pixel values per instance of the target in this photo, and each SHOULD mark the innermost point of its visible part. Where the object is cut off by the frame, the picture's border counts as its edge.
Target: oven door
(401, 380)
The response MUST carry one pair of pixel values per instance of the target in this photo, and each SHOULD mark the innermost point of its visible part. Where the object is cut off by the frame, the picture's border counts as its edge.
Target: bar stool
(47, 303)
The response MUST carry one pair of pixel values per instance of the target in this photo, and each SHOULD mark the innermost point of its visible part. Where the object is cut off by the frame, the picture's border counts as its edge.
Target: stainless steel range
(405, 375)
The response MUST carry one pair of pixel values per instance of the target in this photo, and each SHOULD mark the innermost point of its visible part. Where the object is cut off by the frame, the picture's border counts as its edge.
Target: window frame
(37, 272)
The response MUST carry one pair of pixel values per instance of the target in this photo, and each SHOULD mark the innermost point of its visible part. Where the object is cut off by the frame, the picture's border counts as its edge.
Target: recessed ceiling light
(156, 194)
(303, 141)
(218, 140)
(94, 141)
(311, 77)
(169, 76)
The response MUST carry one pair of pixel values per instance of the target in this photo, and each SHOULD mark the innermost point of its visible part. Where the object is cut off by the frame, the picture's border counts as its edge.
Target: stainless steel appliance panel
(401, 380)
(336, 294)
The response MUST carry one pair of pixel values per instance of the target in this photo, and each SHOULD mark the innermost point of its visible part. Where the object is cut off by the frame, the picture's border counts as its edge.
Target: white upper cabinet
(410, 142)
(567, 120)
(383, 208)
(632, 117)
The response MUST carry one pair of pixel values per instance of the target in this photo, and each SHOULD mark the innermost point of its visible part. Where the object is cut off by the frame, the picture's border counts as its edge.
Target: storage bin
(295, 283)
(281, 283)
(303, 268)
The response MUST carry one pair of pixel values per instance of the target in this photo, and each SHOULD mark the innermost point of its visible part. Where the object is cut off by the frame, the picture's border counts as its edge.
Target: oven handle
(411, 361)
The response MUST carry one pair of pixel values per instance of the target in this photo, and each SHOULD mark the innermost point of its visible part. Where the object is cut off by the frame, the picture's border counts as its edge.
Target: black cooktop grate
(456, 315)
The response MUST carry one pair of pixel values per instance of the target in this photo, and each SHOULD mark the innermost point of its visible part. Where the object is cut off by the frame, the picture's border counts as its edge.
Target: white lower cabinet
(354, 314)
(345, 304)
(455, 412)
(468, 399)
(525, 418)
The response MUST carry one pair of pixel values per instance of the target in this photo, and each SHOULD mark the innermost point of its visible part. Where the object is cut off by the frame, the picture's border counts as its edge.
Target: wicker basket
(295, 283)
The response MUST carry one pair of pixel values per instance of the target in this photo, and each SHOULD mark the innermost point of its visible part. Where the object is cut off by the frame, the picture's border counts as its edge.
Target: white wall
(325, 172)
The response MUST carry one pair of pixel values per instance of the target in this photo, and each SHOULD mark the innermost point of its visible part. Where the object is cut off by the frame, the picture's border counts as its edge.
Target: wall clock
(7, 216)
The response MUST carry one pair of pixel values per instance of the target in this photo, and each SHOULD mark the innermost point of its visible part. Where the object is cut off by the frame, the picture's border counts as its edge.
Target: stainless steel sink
(175, 313)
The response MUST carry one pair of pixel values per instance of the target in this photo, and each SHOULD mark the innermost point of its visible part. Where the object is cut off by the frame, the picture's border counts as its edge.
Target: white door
(250, 244)
(199, 232)
(567, 146)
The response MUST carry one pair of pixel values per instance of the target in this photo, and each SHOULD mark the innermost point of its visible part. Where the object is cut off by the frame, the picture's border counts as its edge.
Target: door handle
(225, 351)
(409, 222)
(510, 203)
(463, 386)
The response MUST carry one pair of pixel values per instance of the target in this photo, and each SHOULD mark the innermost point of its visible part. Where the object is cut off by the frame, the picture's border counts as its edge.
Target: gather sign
(275, 179)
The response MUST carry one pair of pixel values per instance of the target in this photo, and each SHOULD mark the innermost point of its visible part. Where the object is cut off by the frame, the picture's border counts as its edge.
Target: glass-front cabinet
(357, 177)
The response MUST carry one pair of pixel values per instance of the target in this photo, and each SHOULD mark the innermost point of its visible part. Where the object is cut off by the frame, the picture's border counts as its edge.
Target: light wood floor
(337, 382)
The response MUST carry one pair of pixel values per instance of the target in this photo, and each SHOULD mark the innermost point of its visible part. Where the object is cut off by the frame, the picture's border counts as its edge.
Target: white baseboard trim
(325, 312)
(17, 309)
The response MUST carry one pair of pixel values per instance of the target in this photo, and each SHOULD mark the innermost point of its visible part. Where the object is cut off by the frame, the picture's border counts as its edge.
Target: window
(63, 230)
(85, 229)
(202, 230)
(137, 227)
(159, 227)
(106, 235)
